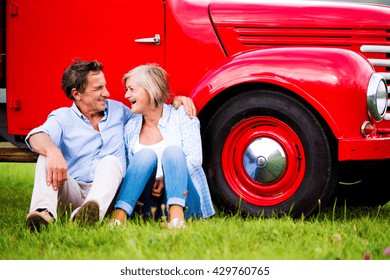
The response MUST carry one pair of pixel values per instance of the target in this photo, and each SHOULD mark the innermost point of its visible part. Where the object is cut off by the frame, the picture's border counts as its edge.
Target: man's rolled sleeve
(51, 127)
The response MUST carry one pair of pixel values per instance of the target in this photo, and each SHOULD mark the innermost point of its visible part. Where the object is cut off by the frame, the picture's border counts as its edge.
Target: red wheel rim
(249, 189)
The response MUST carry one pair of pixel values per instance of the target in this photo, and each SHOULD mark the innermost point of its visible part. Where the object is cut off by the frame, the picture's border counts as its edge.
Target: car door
(43, 38)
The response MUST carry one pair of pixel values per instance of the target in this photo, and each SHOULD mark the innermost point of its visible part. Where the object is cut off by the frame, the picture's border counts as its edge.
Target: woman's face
(137, 96)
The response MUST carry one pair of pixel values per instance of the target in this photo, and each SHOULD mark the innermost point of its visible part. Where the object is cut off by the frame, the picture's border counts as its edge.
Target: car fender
(333, 81)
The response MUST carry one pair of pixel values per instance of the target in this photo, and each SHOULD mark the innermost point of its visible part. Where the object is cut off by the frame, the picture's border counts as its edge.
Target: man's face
(93, 100)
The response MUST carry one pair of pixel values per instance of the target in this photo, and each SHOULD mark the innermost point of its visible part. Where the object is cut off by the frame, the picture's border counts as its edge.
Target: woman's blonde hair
(153, 79)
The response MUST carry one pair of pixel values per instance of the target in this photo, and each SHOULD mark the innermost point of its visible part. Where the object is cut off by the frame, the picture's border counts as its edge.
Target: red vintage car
(292, 95)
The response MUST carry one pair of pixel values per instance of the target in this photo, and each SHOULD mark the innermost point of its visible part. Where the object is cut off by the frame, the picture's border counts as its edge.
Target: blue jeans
(178, 186)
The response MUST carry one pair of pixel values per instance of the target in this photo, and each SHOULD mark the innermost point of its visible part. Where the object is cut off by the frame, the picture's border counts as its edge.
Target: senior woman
(164, 153)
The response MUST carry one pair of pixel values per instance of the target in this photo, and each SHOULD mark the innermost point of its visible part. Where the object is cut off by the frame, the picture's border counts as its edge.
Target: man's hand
(187, 103)
(57, 170)
(158, 187)
(56, 166)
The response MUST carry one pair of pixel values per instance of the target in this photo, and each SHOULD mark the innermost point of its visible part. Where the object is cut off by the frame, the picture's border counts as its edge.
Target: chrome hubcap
(264, 160)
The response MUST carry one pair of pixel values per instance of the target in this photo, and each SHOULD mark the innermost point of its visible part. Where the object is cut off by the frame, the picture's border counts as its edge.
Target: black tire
(250, 117)
(363, 184)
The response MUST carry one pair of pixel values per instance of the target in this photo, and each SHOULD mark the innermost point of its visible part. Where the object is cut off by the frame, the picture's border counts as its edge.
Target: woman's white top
(158, 148)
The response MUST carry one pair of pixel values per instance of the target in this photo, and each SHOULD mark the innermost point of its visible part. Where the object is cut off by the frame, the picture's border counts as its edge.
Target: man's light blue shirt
(82, 146)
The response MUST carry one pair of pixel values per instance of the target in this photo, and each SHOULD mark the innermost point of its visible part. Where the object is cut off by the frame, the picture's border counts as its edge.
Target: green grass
(336, 233)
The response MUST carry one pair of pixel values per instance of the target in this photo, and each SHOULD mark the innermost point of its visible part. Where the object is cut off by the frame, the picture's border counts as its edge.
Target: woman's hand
(158, 187)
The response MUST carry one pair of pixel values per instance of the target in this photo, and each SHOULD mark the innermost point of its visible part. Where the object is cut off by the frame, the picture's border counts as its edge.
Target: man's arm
(187, 103)
(56, 165)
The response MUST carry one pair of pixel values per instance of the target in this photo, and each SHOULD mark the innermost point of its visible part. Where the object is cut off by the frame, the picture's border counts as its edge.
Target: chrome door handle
(155, 39)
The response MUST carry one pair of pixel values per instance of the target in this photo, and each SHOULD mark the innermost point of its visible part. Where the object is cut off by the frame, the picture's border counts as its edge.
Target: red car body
(280, 87)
